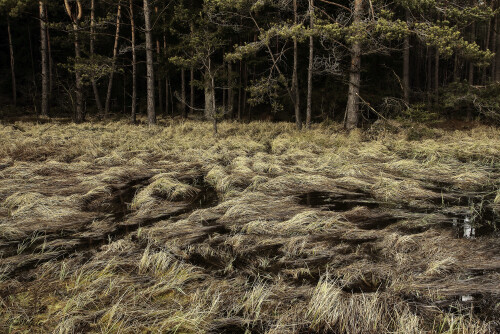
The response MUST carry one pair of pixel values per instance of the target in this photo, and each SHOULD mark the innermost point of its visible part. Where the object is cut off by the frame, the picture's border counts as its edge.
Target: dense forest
(288, 60)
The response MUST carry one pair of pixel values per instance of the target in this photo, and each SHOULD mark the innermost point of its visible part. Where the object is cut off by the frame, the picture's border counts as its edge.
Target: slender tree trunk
(113, 62)
(295, 82)
(183, 92)
(92, 41)
(45, 66)
(12, 65)
(80, 116)
(160, 84)
(230, 92)
(224, 92)
(455, 68)
(239, 90)
(149, 65)
(497, 57)
(471, 63)
(134, 63)
(160, 80)
(494, 35)
(167, 96)
(352, 110)
(245, 85)
(406, 63)
(310, 69)
(167, 86)
(436, 75)
(171, 96)
(486, 48)
(428, 81)
(214, 108)
(191, 87)
(49, 51)
(33, 78)
(209, 93)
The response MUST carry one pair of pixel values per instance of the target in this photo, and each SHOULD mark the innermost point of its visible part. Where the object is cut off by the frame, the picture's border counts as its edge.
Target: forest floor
(114, 228)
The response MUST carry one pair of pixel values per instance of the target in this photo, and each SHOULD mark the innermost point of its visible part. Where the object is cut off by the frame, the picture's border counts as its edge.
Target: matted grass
(115, 228)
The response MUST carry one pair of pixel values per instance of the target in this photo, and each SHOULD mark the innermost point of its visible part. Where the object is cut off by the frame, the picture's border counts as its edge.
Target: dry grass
(114, 228)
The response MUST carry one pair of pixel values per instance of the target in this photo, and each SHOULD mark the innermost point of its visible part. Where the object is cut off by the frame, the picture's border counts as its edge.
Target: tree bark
(92, 41)
(295, 83)
(436, 75)
(183, 92)
(497, 56)
(160, 84)
(45, 66)
(113, 61)
(12, 65)
(406, 63)
(245, 86)
(134, 63)
(49, 50)
(486, 48)
(311, 63)
(149, 65)
(191, 87)
(80, 117)
(75, 18)
(352, 110)
(471, 63)
(230, 92)
(166, 76)
(239, 90)
(209, 93)
(214, 108)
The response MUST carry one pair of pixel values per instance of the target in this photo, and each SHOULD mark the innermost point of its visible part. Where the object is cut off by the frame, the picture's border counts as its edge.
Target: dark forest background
(290, 60)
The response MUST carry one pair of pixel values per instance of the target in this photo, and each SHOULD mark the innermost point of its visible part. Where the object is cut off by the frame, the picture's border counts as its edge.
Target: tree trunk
(209, 111)
(12, 65)
(33, 78)
(134, 63)
(436, 75)
(191, 87)
(113, 61)
(209, 93)
(75, 18)
(239, 90)
(245, 86)
(471, 63)
(183, 92)
(295, 82)
(149, 65)
(230, 92)
(214, 108)
(45, 66)
(92, 41)
(166, 76)
(224, 92)
(310, 69)
(486, 48)
(406, 63)
(80, 117)
(455, 68)
(49, 53)
(160, 84)
(497, 56)
(352, 110)
(494, 32)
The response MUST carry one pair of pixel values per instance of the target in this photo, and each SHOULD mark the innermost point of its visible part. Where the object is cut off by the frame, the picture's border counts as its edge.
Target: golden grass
(255, 261)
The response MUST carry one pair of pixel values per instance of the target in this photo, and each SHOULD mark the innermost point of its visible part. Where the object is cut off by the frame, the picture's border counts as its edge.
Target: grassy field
(114, 228)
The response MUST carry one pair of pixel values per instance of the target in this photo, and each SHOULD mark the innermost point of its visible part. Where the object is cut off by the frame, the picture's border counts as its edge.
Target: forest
(301, 61)
(250, 166)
